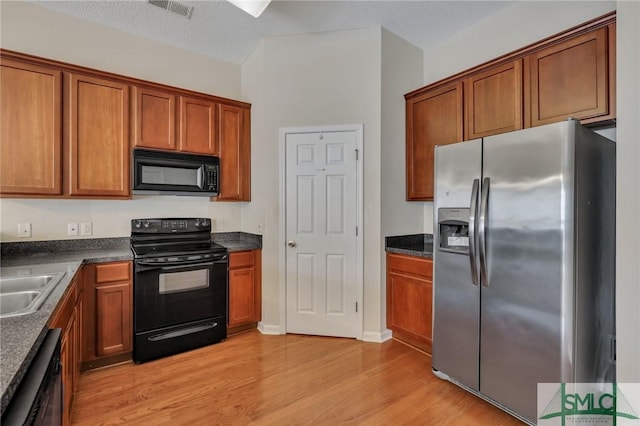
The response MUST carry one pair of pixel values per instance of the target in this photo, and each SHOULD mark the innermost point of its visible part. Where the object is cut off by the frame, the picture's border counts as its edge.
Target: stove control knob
(205, 222)
(146, 225)
(197, 223)
(138, 224)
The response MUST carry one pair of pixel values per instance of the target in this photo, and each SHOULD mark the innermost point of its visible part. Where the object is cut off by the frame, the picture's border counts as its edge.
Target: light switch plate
(24, 230)
(72, 229)
(86, 228)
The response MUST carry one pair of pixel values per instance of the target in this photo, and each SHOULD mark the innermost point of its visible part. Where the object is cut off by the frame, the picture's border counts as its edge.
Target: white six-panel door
(321, 209)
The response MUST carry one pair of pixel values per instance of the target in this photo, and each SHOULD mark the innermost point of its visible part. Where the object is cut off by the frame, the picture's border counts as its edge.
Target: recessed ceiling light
(252, 7)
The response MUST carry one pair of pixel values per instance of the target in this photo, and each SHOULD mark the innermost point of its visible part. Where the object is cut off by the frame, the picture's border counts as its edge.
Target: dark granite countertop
(420, 245)
(238, 241)
(21, 336)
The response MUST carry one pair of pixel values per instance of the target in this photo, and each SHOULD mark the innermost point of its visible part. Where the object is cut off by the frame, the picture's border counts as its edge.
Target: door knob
(291, 243)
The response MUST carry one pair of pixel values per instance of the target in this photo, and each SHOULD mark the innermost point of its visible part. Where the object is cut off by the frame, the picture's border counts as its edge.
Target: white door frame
(282, 252)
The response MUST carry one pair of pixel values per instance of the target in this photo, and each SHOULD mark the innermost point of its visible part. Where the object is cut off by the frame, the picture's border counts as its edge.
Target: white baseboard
(377, 337)
(269, 329)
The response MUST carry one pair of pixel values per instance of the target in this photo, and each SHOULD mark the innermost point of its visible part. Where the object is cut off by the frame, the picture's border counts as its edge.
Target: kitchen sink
(29, 282)
(22, 295)
(14, 302)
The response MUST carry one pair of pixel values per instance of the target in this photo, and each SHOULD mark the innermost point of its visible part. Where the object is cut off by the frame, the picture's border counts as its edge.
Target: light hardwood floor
(281, 380)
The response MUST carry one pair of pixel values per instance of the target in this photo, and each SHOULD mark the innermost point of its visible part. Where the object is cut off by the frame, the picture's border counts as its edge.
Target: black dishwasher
(38, 399)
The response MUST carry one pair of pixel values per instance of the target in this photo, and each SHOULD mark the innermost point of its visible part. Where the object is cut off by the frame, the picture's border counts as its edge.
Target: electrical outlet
(86, 228)
(24, 230)
(219, 224)
(72, 229)
(260, 228)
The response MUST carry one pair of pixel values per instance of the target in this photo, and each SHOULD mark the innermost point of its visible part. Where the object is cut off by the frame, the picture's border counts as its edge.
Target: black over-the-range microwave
(174, 173)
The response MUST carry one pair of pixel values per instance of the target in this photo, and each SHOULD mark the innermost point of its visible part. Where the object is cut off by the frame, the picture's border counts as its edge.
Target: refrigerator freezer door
(456, 307)
(527, 302)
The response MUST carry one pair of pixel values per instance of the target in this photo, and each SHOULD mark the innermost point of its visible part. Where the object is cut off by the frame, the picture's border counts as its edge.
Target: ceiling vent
(174, 6)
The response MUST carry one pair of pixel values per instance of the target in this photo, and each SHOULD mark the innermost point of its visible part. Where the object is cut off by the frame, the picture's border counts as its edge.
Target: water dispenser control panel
(453, 230)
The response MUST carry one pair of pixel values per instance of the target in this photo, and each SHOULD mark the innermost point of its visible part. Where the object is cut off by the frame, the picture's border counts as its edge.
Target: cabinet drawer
(111, 272)
(241, 259)
(410, 265)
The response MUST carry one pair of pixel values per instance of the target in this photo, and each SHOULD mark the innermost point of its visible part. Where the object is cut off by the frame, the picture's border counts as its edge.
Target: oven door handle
(172, 267)
(183, 263)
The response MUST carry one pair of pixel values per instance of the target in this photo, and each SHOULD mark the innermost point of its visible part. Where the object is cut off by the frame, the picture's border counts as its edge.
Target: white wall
(31, 29)
(510, 29)
(25, 27)
(628, 195)
(401, 73)
(311, 80)
(49, 218)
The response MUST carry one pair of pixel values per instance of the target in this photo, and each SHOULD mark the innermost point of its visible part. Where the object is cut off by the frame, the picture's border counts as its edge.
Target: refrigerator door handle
(482, 232)
(473, 214)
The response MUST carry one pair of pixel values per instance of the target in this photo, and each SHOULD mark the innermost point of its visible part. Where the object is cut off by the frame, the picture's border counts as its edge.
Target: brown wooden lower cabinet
(245, 282)
(67, 317)
(409, 299)
(107, 315)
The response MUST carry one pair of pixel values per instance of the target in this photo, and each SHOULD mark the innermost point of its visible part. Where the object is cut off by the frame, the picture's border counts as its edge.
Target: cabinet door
(409, 300)
(235, 155)
(77, 339)
(433, 118)
(68, 359)
(245, 272)
(30, 129)
(241, 296)
(493, 101)
(99, 137)
(154, 115)
(113, 318)
(570, 79)
(107, 318)
(197, 126)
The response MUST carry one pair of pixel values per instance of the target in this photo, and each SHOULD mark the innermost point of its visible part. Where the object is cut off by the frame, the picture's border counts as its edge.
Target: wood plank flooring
(281, 380)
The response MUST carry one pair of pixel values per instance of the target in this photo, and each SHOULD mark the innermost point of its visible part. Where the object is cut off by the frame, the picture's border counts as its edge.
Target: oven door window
(166, 296)
(175, 282)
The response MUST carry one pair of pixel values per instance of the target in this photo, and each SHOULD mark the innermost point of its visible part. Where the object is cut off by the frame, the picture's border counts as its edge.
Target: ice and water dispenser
(453, 230)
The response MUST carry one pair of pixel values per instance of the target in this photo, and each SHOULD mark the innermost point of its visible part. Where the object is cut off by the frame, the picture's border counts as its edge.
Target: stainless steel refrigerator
(524, 253)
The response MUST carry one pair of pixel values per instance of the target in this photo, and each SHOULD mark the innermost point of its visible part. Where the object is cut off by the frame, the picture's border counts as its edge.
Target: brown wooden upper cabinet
(567, 75)
(197, 126)
(570, 79)
(67, 131)
(433, 118)
(154, 118)
(98, 137)
(30, 126)
(235, 153)
(493, 101)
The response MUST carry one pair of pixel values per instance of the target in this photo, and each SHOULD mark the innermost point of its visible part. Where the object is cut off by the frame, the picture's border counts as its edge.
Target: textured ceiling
(221, 30)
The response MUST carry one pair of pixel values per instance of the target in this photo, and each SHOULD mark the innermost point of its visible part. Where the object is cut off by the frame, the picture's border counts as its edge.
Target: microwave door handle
(202, 171)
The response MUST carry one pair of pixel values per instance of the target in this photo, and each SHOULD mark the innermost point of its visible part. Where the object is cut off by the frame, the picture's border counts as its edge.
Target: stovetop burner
(172, 237)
